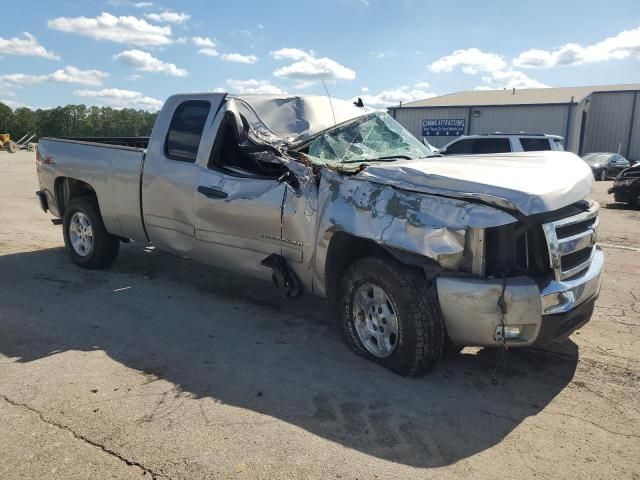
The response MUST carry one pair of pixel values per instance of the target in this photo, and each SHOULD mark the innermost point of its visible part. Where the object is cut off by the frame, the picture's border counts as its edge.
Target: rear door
(617, 164)
(491, 145)
(170, 171)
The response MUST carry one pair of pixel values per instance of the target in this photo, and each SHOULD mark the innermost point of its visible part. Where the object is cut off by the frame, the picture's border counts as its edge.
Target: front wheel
(87, 241)
(602, 176)
(392, 316)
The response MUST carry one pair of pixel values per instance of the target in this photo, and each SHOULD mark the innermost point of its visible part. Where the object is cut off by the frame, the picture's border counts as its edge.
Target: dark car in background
(626, 187)
(606, 165)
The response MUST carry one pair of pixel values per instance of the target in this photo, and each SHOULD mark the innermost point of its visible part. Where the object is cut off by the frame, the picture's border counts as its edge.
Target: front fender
(428, 225)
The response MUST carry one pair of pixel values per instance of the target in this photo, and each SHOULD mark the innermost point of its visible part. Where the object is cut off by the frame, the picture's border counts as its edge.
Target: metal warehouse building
(591, 119)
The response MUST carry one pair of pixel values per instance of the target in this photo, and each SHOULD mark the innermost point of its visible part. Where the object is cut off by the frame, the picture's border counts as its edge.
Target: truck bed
(111, 169)
(134, 142)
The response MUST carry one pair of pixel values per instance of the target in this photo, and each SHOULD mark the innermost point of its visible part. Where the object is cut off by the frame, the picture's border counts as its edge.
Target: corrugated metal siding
(572, 143)
(550, 119)
(634, 147)
(608, 122)
(411, 119)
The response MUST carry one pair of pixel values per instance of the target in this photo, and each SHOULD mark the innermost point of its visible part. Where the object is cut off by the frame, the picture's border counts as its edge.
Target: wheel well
(344, 249)
(66, 188)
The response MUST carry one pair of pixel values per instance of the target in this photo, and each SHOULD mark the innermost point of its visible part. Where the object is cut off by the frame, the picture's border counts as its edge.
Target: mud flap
(283, 277)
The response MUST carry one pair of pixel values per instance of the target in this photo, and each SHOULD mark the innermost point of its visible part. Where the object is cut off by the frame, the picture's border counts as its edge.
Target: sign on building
(449, 127)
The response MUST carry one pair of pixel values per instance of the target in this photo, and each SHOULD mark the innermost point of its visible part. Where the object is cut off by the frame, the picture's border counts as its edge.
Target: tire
(417, 346)
(602, 175)
(102, 248)
(12, 147)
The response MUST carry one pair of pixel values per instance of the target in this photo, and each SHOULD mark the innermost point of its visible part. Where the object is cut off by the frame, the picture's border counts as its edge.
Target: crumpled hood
(529, 182)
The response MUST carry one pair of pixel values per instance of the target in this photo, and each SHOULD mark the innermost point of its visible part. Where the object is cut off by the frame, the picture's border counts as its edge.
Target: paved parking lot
(163, 367)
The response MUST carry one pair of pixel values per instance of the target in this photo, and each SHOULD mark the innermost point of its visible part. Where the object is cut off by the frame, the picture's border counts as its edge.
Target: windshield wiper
(390, 158)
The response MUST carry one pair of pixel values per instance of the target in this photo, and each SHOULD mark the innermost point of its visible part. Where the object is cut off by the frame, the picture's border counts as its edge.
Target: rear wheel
(12, 147)
(392, 316)
(87, 241)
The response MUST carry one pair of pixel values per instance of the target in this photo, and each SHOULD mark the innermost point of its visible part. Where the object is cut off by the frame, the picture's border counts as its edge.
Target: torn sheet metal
(276, 119)
(529, 182)
(424, 224)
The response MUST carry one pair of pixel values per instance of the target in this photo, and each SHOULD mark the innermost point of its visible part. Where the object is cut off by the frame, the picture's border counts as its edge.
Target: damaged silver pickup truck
(421, 252)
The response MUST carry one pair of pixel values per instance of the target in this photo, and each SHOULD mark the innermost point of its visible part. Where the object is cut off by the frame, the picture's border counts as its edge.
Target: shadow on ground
(619, 206)
(214, 334)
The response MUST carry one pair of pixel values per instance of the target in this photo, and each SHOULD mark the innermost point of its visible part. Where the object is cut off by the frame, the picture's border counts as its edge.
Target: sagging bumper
(620, 193)
(536, 314)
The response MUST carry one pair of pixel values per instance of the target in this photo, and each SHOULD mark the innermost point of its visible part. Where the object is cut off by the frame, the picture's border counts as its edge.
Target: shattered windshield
(373, 137)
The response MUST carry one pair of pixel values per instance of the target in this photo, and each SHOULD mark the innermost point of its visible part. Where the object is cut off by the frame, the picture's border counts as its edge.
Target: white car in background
(502, 143)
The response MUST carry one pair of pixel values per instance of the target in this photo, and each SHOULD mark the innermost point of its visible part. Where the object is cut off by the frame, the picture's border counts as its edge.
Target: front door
(238, 205)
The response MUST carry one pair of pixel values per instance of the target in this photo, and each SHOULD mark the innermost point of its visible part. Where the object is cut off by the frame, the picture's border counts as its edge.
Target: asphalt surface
(160, 367)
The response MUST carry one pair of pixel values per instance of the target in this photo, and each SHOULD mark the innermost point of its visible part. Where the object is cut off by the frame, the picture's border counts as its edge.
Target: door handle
(212, 192)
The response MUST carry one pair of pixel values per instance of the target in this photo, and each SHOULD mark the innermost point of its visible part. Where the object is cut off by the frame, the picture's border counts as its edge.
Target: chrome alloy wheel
(374, 317)
(81, 234)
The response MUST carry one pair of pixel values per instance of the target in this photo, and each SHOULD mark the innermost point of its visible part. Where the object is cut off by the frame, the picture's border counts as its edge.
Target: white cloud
(251, 86)
(623, 45)
(508, 79)
(307, 66)
(471, 60)
(239, 58)
(168, 17)
(72, 74)
(364, 89)
(28, 45)
(143, 4)
(203, 42)
(207, 46)
(422, 85)
(67, 74)
(388, 98)
(125, 29)
(145, 62)
(118, 98)
(290, 54)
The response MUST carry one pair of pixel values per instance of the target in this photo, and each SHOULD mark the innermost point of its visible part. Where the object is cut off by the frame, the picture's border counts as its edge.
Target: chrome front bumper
(470, 305)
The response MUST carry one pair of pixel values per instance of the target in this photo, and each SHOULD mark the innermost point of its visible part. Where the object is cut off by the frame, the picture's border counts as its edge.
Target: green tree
(76, 121)
(24, 123)
(6, 118)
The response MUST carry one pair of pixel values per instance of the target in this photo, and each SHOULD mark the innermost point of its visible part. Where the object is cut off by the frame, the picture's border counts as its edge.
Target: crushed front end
(547, 267)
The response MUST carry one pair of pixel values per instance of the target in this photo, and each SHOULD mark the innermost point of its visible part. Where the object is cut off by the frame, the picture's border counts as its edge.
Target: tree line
(75, 121)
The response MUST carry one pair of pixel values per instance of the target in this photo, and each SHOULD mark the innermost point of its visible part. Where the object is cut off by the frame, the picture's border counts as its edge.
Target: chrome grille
(571, 242)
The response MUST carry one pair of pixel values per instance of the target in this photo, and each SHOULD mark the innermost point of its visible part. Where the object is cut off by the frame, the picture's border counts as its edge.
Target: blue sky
(136, 53)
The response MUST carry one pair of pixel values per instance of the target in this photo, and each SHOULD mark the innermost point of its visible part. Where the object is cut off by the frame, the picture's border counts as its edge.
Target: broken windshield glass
(373, 137)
